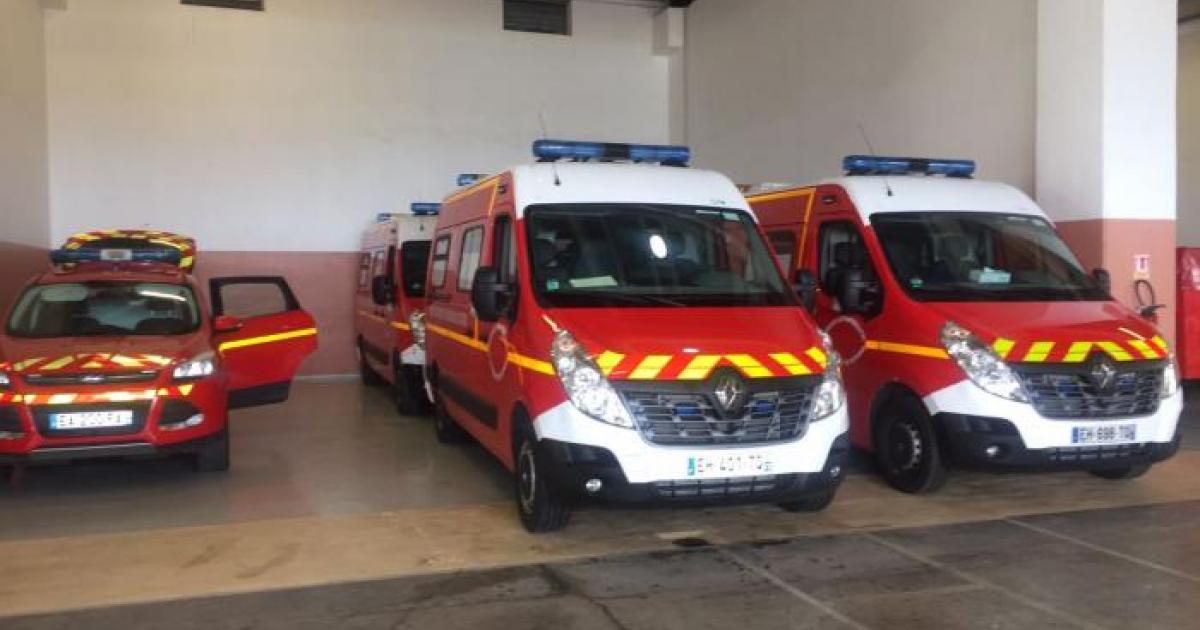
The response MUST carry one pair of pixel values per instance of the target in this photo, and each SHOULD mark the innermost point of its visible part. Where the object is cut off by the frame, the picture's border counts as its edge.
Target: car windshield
(104, 309)
(976, 256)
(414, 260)
(650, 255)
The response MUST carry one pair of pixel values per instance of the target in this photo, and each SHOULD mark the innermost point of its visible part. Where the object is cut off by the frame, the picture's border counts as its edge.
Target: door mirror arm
(226, 323)
(858, 294)
(805, 285)
(383, 290)
(491, 298)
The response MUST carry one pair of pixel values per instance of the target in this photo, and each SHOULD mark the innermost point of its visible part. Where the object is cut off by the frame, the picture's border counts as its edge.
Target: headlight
(584, 383)
(830, 395)
(1170, 383)
(4, 381)
(416, 325)
(199, 366)
(981, 364)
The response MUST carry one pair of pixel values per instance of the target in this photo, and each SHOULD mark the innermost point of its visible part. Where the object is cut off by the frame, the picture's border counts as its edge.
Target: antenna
(867, 140)
(546, 136)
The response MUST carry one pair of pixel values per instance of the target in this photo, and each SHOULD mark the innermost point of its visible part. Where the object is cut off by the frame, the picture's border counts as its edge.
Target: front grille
(686, 415)
(1060, 392)
(718, 488)
(41, 419)
(89, 379)
(1096, 453)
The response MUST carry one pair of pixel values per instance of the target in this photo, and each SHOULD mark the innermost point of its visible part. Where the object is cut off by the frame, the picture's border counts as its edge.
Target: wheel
(448, 431)
(1124, 472)
(370, 377)
(213, 456)
(540, 510)
(906, 447)
(409, 392)
(813, 503)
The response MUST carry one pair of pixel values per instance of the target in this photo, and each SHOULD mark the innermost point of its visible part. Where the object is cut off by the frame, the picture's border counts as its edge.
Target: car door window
(250, 297)
(840, 249)
(784, 244)
(441, 256)
(468, 258)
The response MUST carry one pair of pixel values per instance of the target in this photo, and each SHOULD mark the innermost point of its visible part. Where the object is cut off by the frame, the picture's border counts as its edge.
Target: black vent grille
(719, 488)
(1064, 393)
(1114, 452)
(538, 16)
(90, 379)
(690, 418)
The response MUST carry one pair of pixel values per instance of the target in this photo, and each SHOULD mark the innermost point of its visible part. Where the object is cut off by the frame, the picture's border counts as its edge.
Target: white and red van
(619, 331)
(391, 292)
(969, 332)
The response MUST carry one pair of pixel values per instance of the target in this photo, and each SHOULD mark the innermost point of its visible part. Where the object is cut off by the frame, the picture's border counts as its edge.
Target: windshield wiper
(635, 298)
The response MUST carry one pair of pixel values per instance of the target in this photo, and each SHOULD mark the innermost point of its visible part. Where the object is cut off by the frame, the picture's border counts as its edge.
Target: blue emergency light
(116, 255)
(880, 165)
(667, 155)
(467, 179)
(425, 208)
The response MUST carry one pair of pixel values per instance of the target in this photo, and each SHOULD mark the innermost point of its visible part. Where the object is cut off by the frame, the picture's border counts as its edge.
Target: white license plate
(733, 465)
(91, 419)
(1104, 434)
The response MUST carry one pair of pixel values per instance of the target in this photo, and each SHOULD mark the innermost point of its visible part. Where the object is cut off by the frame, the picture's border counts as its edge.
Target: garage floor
(338, 512)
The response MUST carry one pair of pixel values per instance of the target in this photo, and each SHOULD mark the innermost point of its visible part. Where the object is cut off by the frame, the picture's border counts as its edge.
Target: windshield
(975, 256)
(650, 255)
(104, 309)
(414, 260)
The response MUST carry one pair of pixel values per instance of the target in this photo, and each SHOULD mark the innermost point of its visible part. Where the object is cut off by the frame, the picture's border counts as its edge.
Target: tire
(213, 456)
(907, 452)
(1124, 472)
(409, 392)
(541, 511)
(370, 377)
(813, 503)
(447, 431)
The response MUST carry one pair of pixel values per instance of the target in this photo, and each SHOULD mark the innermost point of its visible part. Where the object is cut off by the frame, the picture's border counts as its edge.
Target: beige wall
(1189, 137)
(777, 88)
(24, 208)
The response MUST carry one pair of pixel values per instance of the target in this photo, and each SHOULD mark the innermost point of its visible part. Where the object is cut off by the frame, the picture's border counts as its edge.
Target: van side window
(504, 251)
(414, 260)
(468, 258)
(784, 244)
(441, 254)
(841, 250)
(378, 267)
(364, 270)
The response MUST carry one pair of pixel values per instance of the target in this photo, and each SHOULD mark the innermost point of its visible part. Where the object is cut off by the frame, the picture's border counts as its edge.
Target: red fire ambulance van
(391, 292)
(969, 332)
(619, 331)
(112, 353)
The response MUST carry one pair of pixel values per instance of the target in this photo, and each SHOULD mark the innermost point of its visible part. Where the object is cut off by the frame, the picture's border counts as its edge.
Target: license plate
(739, 465)
(91, 419)
(1104, 434)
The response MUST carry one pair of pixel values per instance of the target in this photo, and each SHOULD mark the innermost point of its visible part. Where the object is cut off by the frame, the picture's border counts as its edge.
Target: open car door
(261, 336)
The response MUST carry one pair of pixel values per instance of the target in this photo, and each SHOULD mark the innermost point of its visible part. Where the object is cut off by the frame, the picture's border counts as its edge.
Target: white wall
(777, 88)
(1189, 137)
(289, 129)
(24, 209)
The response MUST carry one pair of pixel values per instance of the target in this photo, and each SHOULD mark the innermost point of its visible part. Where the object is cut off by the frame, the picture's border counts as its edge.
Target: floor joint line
(793, 590)
(1149, 564)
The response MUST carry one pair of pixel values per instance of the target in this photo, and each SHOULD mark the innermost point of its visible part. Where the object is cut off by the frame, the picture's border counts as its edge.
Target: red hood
(96, 354)
(682, 335)
(1060, 323)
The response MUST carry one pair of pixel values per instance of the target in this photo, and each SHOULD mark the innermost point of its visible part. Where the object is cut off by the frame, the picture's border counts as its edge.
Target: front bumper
(101, 451)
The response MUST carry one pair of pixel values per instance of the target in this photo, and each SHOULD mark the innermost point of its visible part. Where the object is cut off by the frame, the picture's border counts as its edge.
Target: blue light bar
(880, 165)
(467, 179)
(425, 208)
(667, 155)
(384, 217)
(116, 255)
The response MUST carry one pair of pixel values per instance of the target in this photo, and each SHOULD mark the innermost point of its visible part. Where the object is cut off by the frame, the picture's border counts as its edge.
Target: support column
(1106, 137)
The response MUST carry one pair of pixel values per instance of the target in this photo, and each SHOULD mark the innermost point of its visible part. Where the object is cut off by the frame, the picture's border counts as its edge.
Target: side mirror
(226, 323)
(1103, 278)
(383, 292)
(489, 295)
(805, 285)
(858, 294)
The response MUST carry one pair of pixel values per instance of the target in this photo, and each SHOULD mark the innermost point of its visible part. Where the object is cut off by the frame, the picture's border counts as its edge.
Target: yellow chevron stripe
(1115, 351)
(1078, 352)
(257, 341)
(699, 367)
(790, 363)
(1003, 346)
(1144, 348)
(1161, 343)
(749, 365)
(21, 365)
(608, 361)
(650, 366)
(125, 361)
(1039, 351)
(818, 355)
(58, 363)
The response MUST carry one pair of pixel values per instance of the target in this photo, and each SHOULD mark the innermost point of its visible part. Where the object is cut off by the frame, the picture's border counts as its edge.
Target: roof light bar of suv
(425, 208)
(880, 165)
(667, 155)
(116, 255)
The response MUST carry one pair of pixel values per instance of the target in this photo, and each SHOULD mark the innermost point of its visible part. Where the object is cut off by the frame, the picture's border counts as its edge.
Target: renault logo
(1103, 373)
(729, 390)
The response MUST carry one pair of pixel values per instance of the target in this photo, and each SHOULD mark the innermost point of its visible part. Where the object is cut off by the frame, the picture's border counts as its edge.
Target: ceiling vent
(249, 5)
(538, 16)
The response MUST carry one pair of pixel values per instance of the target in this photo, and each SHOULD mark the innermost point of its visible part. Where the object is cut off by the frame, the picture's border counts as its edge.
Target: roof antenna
(867, 140)
(546, 136)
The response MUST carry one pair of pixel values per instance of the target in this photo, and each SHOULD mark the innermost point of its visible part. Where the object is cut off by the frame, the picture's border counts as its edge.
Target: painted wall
(1189, 136)
(777, 89)
(286, 131)
(24, 205)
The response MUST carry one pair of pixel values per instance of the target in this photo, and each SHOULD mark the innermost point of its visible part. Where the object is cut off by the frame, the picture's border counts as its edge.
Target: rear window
(104, 309)
(414, 261)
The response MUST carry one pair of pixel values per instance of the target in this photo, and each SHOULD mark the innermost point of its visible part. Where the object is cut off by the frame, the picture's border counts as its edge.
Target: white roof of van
(920, 193)
(619, 182)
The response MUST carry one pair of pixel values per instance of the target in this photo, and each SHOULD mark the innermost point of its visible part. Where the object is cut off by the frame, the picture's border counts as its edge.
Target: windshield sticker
(588, 283)
(987, 275)
(916, 283)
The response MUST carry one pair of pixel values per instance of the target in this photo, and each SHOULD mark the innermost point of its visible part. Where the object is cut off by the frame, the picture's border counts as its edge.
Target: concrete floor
(340, 513)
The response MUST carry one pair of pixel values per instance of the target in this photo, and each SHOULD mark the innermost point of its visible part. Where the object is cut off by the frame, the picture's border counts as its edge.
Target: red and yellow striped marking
(118, 396)
(185, 244)
(92, 361)
(1133, 349)
(264, 339)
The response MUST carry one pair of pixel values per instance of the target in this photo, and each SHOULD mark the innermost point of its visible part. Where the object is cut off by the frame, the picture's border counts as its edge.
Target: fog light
(593, 486)
(11, 435)
(193, 421)
(993, 451)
